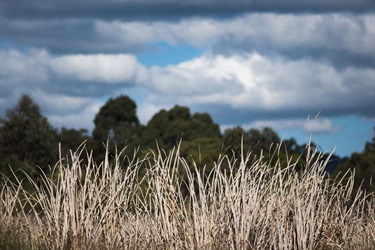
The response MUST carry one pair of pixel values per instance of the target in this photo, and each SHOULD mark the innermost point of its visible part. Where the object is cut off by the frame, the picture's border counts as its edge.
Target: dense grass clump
(164, 201)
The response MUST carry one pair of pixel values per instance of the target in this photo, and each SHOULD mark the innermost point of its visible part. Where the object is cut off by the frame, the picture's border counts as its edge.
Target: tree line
(29, 143)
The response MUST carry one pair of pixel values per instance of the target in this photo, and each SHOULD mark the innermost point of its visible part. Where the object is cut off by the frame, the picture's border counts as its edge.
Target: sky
(304, 68)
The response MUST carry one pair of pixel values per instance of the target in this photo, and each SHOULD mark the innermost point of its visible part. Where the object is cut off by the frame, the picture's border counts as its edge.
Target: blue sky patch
(162, 54)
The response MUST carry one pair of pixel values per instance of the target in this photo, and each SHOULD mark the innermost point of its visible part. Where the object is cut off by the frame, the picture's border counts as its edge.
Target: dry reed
(248, 204)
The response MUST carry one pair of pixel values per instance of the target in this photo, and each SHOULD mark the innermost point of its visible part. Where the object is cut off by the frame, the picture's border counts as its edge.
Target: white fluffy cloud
(61, 103)
(17, 67)
(82, 118)
(320, 126)
(66, 87)
(39, 65)
(253, 81)
(250, 81)
(106, 68)
(68, 111)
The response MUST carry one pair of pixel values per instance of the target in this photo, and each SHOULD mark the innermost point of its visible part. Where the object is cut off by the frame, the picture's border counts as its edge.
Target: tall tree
(262, 139)
(235, 138)
(253, 140)
(26, 136)
(117, 121)
(71, 139)
(169, 127)
(363, 164)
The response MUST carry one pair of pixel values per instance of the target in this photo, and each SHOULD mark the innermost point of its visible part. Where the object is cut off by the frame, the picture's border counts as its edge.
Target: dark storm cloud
(342, 39)
(61, 36)
(338, 57)
(62, 27)
(80, 89)
(151, 10)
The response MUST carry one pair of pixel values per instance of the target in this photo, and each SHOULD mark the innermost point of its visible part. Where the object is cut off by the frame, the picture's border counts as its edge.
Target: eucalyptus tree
(27, 139)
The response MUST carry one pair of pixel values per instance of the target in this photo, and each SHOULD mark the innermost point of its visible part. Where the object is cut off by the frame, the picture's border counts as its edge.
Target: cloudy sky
(248, 63)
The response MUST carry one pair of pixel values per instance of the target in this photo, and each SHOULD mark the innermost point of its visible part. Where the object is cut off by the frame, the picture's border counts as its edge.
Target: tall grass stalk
(164, 201)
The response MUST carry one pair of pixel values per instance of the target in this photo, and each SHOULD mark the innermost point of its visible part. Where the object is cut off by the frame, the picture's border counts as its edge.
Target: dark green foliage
(200, 135)
(264, 142)
(26, 138)
(169, 127)
(155, 128)
(254, 140)
(117, 122)
(364, 166)
(291, 147)
(234, 138)
(261, 140)
(72, 138)
(203, 151)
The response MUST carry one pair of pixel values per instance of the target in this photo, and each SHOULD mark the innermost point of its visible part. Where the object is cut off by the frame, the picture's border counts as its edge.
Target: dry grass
(250, 206)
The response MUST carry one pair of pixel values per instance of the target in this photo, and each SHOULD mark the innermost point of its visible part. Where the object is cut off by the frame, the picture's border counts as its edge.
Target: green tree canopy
(169, 127)
(363, 164)
(203, 151)
(117, 121)
(253, 140)
(71, 139)
(234, 138)
(26, 136)
(262, 139)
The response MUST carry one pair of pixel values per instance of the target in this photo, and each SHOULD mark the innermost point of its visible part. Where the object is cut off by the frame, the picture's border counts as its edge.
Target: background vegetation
(27, 140)
(237, 190)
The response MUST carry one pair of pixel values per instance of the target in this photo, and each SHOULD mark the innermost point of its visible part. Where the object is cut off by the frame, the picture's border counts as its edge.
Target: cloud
(339, 38)
(262, 84)
(82, 118)
(251, 84)
(16, 67)
(66, 87)
(38, 68)
(105, 68)
(146, 110)
(277, 124)
(60, 103)
(80, 75)
(320, 126)
(62, 110)
(336, 37)
(316, 126)
(174, 9)
(268, 65)
(68, 111)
